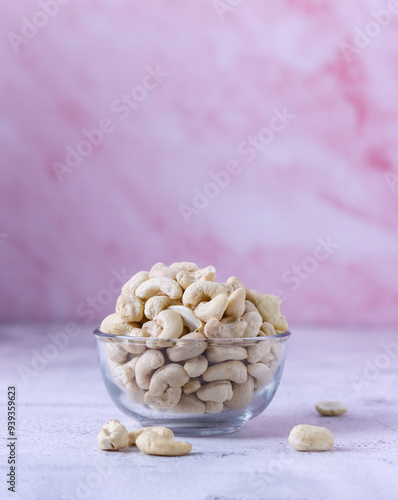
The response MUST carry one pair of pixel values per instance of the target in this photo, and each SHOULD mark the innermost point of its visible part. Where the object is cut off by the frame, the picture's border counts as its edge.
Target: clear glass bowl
(263, 359)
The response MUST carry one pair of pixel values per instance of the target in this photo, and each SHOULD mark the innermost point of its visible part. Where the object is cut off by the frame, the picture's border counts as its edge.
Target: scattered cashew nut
(151, 443)
(113, 436)
(311, 438)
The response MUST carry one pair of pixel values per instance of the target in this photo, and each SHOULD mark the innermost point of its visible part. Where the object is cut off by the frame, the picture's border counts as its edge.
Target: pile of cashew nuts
(184, 360)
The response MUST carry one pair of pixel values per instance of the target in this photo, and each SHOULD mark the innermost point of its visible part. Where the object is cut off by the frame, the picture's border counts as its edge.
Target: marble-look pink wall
(292, 105)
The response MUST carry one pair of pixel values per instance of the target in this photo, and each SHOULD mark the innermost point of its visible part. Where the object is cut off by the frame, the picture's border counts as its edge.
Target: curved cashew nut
(161, 431)
(115, 325)
(136, 394)
(250, 307)
(116, 352)
(254, 296)
(261, 373)
(269, 308)
(186, 278)
(236, 303)
(152, 444)
(188, 317)
(130, 308)
(214, 407)
(152, 329)
(225, 353)
(170, 397)
(170, 375)
(191, 386)
(229, 370)
(243, 395)
(226, 328)
(201, 291)
(268, 329)
(171, 323)
(154, 305)
(151, 287)
(113, 436)
(133, 283)
(235, 282)
(229, 288)
(254, 322)
(258, 351)
(187, 350)
(218, 391)
(160, 270)
(195, 367)
(189, 403)
(215, 308)
(147, 363)
(126, 372)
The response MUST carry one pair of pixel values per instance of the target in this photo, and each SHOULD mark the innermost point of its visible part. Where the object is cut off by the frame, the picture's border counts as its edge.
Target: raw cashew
(269, 308)
(243, 395)
(167, 399)
(130, 308)
(151, 287)
(195, 367)
(201, 291)
(261, 373)
(172, 375)
(268, 329)
(152, 444)
(311, 438)
(254, 322)
(147, 363)
(267, 358)
(154, 305)
(116, 352)
(225, 353)
(171, 323)
(136, 394)
(229, 370)
(254, 296)
(226, 328)
(236, 303)
(250, 307)
(229, 288)
(331, 408)
(161, 431)
(115, 325)
(126, 372)
(215, 308)
(160, 270)
(235, 282)
(113, 436)
(214, 407)
(187, 350)
(186, 278)
(218, 391)
(191, 386)
(133, 283)
(258, 351)
(189, 403)
(188, 317)
(152, 329)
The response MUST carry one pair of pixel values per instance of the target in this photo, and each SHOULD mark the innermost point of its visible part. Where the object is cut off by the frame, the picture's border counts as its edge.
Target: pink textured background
(323, 175)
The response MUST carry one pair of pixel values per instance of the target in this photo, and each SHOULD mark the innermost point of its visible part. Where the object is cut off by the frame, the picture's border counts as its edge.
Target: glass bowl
(240, 379)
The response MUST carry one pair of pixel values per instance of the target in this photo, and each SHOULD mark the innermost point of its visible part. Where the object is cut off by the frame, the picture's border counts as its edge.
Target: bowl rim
(278, 337)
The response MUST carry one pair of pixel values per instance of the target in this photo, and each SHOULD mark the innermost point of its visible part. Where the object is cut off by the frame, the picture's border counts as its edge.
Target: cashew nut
(187, 350)
(226, 328)
(331, 408)
(189, 403)
(160, 270)
(250, 307)
(147, 363)
(254, 296)
(235, 282)
(133, 283)
(218, 391)
(130, 308)
(154, 305)
(136, 394)
(195, 367)
(191, 386)
(115, 325)
(161, 431)
(201, 291)
(311, 438)
(236, 303)
(268, 329)
(254, 322)
(113, 436)
(126, 372)
(188, 317)
(186, 278)
(225, 353)
(152, 444)
(258, 351)
(215, 308)
(261, 373)
(269, 308)
(152, 329)
(228, 370)
(214, 407)
(116, 352)
(172, 375)
(167, 399)
(151, 287)
(171, 323)
(243, 395)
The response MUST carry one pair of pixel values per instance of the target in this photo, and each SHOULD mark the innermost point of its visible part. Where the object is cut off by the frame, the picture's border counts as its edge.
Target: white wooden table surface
(62, 406)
